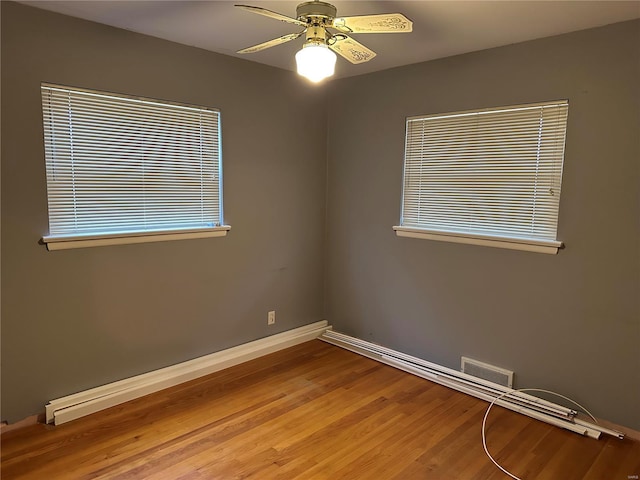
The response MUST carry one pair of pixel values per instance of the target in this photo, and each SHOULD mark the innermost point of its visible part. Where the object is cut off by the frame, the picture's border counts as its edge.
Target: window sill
(550, 247)
(83, 241)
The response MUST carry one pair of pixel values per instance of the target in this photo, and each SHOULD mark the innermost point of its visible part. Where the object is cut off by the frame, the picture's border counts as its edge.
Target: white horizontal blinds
(119, 165)
(492, 172)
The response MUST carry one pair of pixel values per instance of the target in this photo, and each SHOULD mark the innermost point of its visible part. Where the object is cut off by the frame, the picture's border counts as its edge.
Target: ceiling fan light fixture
(316, 62)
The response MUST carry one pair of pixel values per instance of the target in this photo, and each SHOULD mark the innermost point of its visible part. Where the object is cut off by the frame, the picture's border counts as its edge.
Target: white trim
(66, 242)
(486, 241)
(74, 406)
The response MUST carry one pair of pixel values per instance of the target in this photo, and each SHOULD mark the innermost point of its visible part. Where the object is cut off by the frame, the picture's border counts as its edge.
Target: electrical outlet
(271, 317)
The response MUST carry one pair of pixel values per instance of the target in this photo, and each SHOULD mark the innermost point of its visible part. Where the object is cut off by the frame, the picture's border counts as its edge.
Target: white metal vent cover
(488, 372)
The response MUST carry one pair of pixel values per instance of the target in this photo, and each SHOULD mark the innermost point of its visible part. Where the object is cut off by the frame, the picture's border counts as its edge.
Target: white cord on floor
(506, 394)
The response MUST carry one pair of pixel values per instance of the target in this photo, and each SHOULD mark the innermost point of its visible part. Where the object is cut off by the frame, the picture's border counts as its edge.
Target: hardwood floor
(313, 411)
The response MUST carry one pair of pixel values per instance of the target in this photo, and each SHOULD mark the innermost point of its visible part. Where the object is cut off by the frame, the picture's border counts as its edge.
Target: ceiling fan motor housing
(322, 10)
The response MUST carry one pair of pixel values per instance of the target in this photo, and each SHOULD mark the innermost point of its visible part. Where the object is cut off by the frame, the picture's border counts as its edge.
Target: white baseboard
(74, 406)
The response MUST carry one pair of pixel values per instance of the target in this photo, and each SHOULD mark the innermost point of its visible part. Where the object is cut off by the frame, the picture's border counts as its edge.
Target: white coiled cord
(506, 394)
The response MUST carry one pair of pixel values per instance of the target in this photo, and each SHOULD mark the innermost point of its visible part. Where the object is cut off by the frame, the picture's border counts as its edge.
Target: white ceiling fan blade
(383, 23)
(353, 51)
(269, 13)
(271, 43)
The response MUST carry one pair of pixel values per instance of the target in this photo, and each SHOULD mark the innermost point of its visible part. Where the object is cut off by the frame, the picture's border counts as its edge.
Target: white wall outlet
(271, 317)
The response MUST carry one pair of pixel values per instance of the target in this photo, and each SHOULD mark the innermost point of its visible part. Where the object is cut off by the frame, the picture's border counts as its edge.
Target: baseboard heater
(520, 402)
(90, 401)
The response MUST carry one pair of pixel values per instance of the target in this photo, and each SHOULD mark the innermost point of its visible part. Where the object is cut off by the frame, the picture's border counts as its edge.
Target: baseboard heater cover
(520, 402)
(74, 406)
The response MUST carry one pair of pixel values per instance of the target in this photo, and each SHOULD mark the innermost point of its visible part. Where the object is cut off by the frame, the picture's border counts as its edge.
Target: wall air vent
(487, 372)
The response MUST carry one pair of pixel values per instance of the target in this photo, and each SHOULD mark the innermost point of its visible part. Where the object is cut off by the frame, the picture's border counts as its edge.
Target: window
(127, 170)
(489, 177)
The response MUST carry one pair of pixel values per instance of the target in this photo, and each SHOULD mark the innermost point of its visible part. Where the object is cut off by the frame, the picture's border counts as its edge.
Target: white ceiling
(440, 28)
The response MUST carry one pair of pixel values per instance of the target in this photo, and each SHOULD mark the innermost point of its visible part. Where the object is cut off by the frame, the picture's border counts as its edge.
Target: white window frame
(446, 155)
(124, 169)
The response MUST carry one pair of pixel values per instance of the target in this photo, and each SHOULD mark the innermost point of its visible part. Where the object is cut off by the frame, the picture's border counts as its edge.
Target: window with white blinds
(489, 177)
(122, 168)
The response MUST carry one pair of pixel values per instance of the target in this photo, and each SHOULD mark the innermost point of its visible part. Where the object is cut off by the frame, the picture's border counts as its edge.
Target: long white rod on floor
(416, 370)
(605, 430)
(530, 400)
(529, 405)
(581, 429)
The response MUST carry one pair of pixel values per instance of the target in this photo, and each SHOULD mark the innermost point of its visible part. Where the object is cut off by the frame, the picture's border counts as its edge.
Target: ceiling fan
(316, 59)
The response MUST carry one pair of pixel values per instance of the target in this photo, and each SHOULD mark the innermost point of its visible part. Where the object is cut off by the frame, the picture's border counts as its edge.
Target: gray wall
(571, 322)
(78, 318)
(75, 319)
